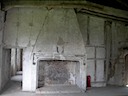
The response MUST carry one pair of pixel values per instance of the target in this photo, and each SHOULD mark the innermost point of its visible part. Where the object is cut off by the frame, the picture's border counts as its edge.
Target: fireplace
(58, 42)
(60, 70)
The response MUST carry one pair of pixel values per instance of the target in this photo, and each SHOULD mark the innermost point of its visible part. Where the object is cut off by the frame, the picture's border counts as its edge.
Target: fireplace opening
(58, 72)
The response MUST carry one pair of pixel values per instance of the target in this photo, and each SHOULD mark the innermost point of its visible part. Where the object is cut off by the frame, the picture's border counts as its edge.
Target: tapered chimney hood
(60, 34)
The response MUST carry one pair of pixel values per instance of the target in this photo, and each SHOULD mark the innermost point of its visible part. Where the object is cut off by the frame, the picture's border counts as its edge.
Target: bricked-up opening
(58, 72)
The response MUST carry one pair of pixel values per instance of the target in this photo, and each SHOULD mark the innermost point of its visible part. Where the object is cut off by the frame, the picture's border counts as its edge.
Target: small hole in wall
(125, 48)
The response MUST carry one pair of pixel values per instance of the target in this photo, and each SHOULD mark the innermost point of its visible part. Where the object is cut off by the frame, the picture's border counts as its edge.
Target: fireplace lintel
(41, 56)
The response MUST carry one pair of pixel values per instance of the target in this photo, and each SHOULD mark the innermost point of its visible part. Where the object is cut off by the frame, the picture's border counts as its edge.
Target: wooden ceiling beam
(88, 7)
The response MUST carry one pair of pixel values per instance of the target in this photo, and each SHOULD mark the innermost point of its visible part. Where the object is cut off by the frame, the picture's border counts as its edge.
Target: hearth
(58, 72)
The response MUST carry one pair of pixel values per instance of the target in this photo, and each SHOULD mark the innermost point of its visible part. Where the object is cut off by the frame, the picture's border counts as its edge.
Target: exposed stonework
(58, 72)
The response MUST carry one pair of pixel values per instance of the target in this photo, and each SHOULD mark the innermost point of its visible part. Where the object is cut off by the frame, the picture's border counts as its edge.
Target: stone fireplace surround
(37, 57)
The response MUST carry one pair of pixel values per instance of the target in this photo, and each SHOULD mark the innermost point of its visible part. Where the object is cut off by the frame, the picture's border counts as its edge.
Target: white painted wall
(40, 27)
(103, 42)
(4, 57)
(13, 62)
(119, 41)
(6, 67)
(92, 29)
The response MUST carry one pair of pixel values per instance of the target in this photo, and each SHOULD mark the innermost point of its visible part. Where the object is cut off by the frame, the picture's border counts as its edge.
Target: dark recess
(119, 4)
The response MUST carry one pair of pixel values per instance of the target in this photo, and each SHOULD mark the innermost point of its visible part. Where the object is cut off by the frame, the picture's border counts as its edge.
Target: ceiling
(119, 4)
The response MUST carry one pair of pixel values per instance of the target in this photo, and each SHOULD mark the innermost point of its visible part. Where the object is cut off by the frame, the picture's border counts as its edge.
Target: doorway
(16, 64)
(126, 70)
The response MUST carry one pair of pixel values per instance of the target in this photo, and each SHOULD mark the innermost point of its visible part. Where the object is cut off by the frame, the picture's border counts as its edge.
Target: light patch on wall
(127, 85)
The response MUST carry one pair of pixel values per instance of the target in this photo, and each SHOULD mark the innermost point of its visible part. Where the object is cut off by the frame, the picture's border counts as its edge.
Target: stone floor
(14, 89)
(17, 77)
(54, 89)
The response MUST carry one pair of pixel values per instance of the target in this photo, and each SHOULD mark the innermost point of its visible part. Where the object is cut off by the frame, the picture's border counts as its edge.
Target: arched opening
(126, 70)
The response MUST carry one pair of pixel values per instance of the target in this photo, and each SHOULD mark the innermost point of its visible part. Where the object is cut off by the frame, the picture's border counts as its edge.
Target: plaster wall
(4, 57)
(106, 43)
(92, 29)
(1, 69)
(25, 29)
(6, 66)
(119, 48)
(19, 59)
(13, 62)
(1, 33)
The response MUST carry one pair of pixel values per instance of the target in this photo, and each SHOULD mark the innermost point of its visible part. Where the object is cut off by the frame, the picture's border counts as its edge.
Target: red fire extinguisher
(88, 81)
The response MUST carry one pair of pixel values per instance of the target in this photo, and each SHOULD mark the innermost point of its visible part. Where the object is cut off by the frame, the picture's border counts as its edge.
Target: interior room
(63, 48)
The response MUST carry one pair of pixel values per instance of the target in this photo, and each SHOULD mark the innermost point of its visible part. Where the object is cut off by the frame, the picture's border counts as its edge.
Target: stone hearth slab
(57, 89)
